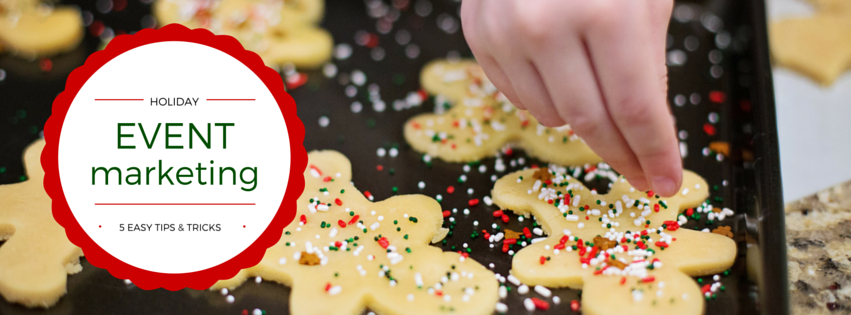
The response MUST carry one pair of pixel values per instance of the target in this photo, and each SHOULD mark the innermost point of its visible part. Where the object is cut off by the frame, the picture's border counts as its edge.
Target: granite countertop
(818, 234)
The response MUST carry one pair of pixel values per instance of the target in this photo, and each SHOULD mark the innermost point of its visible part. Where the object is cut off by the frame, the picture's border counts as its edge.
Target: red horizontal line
(230, 99)
(119, 99)
(175, 204)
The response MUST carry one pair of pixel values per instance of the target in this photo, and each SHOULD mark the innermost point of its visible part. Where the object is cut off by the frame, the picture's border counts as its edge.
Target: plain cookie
(31, 29)
(37, 256)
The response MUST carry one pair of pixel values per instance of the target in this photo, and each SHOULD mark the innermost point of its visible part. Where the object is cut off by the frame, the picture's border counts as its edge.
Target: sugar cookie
(816, 46)
(343, 253)
(630, 225)
(37, 256)
(279, 31)
(482, 121)
(31, 29)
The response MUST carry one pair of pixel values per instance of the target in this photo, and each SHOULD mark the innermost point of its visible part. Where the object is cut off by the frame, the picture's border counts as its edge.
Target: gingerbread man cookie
(817, 46)
(624, 249)
(279, 31)
(37, 256)
(32, 29)
(483, 120)
(343, 253)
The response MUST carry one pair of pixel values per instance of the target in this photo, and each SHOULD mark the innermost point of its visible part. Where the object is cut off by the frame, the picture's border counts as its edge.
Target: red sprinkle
(705, 288)
(650, 193)
(527, 233)
(661, 244)
(423, 94)
(303, 219)
(354, 219)
(709, 129)
(648, 279)
(504, 247)
(45, 65)
(717, 96)
(367, 194)
(623, 280)
(656, 207)
(574, 305)
(341, 223)
(559, 246)
(383, 242)
(543, 260)
(510, 241)
(505, 218)
(689, 211)
(379, 168)
(450, 189)
(541, 304)
(338, 202)
(245, 312)
(327, 179)
(497, 213)
(338, 244)
(296, 80)
(327, 287)
(446, 213)
(473, 202)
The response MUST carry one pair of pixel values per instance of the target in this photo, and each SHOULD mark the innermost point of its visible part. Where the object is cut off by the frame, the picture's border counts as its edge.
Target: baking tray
(747, 180)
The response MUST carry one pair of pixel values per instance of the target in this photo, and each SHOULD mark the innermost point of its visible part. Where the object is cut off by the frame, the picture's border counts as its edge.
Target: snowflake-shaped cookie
(37, 256)
(279, 31)
(344, 253)
(482, 121)
(624, 249)
(32, 29)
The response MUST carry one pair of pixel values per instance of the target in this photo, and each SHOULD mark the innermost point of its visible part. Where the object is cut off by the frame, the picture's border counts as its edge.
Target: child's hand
(598, 65)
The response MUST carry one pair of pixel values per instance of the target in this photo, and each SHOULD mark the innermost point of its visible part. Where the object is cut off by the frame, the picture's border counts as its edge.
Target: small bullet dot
(243, 226)
(99, 226)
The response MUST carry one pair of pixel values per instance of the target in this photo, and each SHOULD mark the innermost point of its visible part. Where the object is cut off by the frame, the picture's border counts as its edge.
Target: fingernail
(664, 186)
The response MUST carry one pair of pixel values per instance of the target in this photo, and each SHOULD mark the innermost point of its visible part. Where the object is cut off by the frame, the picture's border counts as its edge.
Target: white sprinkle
(410, 297)
(229, 299)
(523, 289)
(543, 291)
(513, 280)
(394, 152)
(374, 226)
(258, 279)
(556, 300)
(381, 152)
(530, 306)
(324, 121)
(501, 308)
(503, 292)
(224, 291)
(335, 290)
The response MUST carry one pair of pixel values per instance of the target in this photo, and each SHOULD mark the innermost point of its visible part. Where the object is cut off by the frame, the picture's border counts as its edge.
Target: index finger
(622, 52)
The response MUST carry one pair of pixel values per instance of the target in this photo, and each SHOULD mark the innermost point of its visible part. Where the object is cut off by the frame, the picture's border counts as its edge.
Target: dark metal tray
(745, 119)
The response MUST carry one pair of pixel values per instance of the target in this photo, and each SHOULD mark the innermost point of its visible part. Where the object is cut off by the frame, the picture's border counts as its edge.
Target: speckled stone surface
(818, 233)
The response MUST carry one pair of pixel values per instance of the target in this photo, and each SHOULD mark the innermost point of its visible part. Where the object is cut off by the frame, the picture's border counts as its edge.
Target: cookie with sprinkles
(31, 29)
(37, 256)
(343, 253)
(624, 249)
(280, 32)
(481, 121)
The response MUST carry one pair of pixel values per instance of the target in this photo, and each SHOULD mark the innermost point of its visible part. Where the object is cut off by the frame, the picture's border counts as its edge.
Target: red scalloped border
(152, 280)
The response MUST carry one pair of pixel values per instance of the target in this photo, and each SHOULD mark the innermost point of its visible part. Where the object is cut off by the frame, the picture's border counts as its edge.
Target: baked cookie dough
(817, 46)
(37, 256)
(31, 29)
(624, 249)
(344, 253)
(482, 121)
(280, 31)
